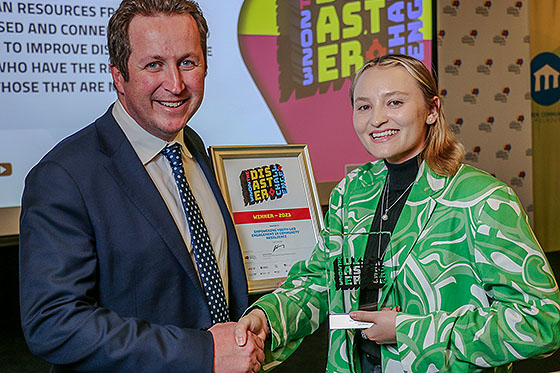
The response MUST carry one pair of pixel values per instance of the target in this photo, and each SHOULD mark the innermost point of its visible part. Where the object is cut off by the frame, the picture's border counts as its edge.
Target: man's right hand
(254, 322)
(229, 356)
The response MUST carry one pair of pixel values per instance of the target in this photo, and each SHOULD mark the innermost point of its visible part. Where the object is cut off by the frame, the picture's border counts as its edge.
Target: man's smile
(172, 104)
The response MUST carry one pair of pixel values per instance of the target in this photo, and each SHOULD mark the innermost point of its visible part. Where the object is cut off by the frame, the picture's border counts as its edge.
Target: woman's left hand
(383, 329)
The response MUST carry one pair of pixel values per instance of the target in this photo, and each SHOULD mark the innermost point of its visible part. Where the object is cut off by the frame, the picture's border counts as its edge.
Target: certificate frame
(227, 161)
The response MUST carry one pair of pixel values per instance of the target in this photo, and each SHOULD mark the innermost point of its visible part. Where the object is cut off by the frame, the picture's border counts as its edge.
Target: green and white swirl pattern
(474, 286)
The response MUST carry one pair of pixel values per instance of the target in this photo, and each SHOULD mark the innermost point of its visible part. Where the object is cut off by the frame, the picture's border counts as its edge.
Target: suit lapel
(412, 222)
(128, 172)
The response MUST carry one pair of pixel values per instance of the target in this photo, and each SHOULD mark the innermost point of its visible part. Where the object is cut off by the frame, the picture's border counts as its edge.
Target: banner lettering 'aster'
(324, 42)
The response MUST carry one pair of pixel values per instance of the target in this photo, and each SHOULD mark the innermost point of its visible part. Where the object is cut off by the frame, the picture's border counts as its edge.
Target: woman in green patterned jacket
(436, 255)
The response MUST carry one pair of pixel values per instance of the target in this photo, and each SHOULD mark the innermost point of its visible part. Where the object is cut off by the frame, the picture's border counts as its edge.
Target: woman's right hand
(383, 330)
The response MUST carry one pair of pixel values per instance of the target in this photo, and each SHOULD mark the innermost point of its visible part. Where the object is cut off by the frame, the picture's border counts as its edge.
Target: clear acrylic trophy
(348, 273)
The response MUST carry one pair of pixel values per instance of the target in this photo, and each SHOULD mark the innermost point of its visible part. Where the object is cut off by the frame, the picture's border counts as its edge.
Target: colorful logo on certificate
(263, 184)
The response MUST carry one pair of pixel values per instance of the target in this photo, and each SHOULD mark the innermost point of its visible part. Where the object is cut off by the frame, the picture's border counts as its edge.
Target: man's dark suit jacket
(106, 281)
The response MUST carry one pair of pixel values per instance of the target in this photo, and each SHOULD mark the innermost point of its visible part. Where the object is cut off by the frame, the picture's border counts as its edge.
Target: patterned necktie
(203, 252)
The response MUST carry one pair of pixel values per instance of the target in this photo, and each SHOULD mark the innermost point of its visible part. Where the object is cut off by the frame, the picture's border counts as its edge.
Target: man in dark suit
(129, 261)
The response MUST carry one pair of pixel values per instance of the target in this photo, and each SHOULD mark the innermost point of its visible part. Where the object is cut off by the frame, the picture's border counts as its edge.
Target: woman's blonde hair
(442, 152)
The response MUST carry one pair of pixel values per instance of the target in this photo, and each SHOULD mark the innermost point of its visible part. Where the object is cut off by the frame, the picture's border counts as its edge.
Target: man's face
(166, 73)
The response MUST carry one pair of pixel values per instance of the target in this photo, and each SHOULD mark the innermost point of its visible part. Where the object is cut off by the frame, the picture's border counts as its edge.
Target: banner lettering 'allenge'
(302, 55)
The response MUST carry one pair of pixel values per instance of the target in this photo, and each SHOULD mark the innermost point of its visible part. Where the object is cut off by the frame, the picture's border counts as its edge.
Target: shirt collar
(146, 145)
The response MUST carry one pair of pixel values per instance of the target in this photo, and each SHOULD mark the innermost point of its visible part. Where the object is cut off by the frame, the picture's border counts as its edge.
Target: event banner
(302, 55)
(545, 92)
(483, 61)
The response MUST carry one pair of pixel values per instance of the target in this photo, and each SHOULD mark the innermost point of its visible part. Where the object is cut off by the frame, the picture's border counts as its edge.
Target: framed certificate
(270, 191)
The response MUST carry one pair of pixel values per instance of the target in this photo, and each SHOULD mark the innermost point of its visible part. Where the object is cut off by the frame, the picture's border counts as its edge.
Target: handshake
(239, 347)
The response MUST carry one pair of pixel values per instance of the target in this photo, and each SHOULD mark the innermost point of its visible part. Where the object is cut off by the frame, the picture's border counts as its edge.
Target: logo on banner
(471, 97)
(263, 184)
(470, 38)
(516, 124)
(502, 96)
(484, 10)
(441, 35)
(486, 126)
(485, 68)
(515, 10)
(504, 154)
(501, 39)
(516, 67)
(545, 72)
(451, 10)
(518, 180)
(455, 127)
(472, 156)
(454, 68)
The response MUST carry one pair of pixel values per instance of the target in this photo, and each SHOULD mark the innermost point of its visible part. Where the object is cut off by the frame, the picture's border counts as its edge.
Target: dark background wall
(309, 358)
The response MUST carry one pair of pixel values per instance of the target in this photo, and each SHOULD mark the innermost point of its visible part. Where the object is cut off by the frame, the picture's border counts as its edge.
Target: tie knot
(173, 153)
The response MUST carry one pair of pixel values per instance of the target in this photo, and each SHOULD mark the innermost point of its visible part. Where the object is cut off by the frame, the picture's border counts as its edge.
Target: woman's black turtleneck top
(400, 177)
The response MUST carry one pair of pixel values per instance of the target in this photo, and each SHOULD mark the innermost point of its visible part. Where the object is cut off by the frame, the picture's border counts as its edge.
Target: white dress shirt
(148, 148)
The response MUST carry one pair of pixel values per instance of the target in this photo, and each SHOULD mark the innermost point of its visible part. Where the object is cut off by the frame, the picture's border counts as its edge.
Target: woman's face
(390, 114)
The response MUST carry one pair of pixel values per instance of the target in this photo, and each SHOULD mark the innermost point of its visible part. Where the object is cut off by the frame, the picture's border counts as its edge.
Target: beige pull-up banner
(545, 93)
